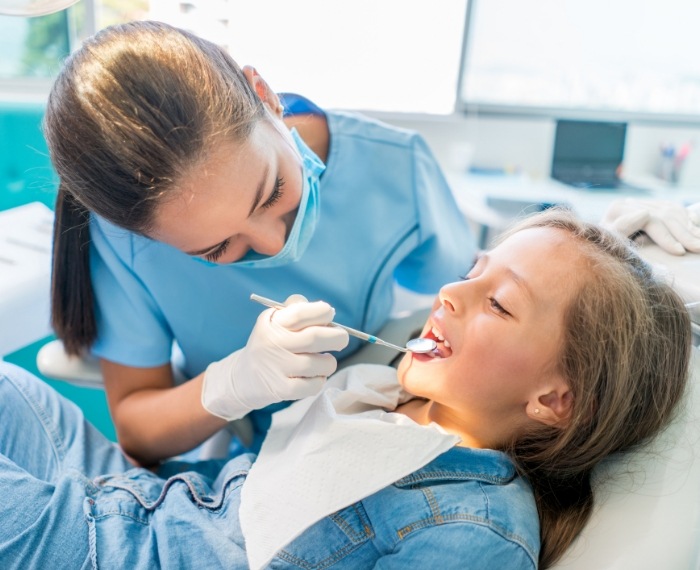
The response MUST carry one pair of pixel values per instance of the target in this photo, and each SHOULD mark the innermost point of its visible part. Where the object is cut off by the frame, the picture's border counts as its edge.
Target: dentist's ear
(552, 407)
(262, 90)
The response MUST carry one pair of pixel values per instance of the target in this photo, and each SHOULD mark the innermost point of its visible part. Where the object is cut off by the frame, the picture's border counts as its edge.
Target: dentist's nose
(267, 239)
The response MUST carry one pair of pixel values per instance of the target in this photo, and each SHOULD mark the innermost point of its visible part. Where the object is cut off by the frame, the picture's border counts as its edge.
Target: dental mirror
(421, 345)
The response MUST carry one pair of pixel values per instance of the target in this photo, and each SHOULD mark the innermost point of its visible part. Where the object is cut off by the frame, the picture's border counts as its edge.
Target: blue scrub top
(387, 214)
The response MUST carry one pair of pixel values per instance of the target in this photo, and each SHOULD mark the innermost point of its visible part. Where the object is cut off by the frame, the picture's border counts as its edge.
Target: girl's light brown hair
(626, 354)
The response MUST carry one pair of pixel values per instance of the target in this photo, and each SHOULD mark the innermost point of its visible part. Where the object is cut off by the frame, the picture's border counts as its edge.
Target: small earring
(280, 110)
(537, 410)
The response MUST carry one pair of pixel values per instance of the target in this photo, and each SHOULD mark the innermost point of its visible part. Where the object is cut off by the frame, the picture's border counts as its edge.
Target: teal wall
(26, 176)
(25, 170)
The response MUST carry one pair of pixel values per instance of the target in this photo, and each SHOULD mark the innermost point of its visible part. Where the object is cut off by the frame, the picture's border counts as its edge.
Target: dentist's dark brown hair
(135, 108)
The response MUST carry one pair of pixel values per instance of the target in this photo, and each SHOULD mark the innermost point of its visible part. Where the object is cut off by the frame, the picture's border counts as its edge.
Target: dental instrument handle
(353, 332)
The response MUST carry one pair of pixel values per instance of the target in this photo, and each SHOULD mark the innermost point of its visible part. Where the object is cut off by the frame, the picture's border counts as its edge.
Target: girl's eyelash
(494, 304)
(497, 307)
(466, 276)
(276, 193)
(218, 252)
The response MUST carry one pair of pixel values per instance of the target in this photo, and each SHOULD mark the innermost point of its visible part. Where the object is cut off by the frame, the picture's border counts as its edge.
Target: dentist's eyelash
(218, 252)
(277, 193)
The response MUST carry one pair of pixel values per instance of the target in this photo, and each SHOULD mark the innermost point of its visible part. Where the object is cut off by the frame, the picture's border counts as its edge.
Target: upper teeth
(438, 335)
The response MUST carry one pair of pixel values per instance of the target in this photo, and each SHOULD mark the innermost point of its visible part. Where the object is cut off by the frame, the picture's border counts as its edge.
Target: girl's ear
(262, 90)
(551, 406)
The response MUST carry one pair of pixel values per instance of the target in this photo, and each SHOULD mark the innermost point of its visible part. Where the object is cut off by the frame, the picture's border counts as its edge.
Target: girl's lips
(426, 357)
(444, 349)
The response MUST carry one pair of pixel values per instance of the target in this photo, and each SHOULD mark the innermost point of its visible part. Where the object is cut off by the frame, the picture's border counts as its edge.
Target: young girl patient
(557, 349)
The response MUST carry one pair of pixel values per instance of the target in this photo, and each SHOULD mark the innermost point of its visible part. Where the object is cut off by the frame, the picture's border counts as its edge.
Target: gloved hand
(671, 226)
(281, 360)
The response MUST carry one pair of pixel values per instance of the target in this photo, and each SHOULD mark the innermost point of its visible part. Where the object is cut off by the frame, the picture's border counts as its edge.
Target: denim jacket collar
(485, 465)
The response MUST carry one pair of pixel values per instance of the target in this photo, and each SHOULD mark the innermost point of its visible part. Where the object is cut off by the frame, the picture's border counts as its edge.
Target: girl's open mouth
(443, 349)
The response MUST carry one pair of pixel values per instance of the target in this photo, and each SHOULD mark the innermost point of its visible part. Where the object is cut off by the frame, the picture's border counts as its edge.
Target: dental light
(31, 8)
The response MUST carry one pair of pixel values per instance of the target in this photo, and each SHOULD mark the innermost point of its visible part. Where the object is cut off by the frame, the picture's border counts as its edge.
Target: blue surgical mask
(305, 223)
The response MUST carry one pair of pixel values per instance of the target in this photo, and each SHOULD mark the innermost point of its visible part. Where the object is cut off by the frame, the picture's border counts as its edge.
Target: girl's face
(243, 196)
(499, 334)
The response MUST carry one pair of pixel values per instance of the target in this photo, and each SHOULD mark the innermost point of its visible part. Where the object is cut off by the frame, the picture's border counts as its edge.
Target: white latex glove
(281, 360)
(671, 226)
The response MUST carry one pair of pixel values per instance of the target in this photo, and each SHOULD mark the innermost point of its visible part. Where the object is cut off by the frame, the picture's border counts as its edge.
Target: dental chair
(647, 513)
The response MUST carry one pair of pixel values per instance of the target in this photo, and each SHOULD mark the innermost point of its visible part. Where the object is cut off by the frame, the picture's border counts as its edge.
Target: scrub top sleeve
(131, 328)
(447, 245)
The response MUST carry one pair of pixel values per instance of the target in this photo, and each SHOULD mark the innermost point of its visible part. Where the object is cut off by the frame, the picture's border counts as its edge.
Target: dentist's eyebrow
(256, 201)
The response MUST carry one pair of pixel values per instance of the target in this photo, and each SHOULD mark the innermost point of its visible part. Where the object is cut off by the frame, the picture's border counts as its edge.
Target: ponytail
(72, 299)
(132, 112)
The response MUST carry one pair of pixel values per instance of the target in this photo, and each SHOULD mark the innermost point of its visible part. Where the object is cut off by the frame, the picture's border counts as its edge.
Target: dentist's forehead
(214, 196)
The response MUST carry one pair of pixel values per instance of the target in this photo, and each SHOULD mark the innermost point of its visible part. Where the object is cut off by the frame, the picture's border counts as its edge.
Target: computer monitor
(588, 153)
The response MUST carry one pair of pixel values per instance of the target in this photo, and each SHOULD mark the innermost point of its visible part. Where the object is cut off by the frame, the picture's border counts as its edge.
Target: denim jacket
(466, 509)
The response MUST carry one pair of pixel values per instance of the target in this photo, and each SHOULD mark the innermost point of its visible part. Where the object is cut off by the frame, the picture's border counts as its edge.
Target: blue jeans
(59, 510)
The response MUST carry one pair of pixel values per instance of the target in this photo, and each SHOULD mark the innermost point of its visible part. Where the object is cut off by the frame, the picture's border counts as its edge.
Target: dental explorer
(417, 345)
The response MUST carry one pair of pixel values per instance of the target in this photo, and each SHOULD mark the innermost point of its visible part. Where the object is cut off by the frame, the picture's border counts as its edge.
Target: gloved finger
(628, 224)
(672, 211)
(659, 233)
(305, 387)
(310, 365)
(684, 232)
(296, 298)
(298, 316)
(313, 339)
(295, 388)
(694, 213)
(298, 388)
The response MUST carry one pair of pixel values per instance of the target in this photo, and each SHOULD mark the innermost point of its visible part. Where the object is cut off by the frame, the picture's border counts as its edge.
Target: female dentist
(186, 184)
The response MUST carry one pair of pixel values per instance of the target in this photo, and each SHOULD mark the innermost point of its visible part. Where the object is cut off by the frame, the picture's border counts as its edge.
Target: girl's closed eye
(276, 194)
(498, 307)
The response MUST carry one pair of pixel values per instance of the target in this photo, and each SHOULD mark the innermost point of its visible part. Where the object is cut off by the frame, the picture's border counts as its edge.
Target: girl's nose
(448, 299)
